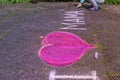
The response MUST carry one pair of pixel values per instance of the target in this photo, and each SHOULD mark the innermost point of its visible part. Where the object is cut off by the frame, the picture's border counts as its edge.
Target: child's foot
(90, 6)
(94, 8)
(79, 5)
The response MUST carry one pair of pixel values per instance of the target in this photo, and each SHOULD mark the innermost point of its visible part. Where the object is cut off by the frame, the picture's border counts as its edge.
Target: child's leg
(94, 6)
(82, 1)
(93, 2)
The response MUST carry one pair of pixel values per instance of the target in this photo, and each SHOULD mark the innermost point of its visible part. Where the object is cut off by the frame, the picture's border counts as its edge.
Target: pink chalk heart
(63, 48)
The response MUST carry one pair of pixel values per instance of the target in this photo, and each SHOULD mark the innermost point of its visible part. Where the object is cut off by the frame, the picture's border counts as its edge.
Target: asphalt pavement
(21, 26)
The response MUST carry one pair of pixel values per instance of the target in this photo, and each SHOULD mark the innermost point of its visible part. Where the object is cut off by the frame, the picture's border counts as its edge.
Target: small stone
(96, 55)
(62, 10)
(41, 37)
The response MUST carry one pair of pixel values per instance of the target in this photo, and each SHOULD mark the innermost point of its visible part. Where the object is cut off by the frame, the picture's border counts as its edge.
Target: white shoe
(79, 5)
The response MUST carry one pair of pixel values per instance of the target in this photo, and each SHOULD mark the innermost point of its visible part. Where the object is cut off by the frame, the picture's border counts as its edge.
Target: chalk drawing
(75, 11)
(53, 76)
(77, 20)
(73, 20)
(74, 17)
(72, 28)
(72, 23)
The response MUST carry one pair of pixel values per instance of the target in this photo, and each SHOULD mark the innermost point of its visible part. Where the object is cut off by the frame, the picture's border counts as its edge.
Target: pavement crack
(4, 34)
(5, 18)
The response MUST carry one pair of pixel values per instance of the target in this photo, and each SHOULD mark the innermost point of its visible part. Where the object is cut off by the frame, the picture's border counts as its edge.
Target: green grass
(100, 46)
(112, 2)
(13, 1)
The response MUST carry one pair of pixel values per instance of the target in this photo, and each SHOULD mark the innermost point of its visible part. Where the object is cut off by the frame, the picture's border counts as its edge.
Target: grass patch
(100, 46)
(112, 2)
(13, 1)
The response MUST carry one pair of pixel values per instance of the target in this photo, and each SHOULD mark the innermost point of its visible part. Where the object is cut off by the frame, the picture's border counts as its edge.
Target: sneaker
(94, 8)
(79, 5)
(90, 6)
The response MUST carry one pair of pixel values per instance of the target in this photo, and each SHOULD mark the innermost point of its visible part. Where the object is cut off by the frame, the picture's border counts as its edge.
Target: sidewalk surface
(21, 25)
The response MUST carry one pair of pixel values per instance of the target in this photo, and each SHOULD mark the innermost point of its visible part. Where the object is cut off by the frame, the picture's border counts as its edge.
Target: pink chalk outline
(63, 48)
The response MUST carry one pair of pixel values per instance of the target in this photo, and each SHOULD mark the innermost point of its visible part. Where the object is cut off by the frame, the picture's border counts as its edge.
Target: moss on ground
(111, 75)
